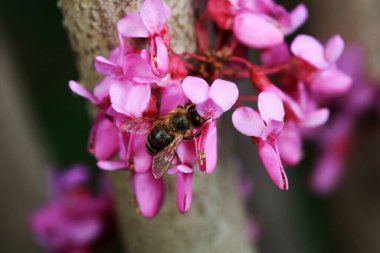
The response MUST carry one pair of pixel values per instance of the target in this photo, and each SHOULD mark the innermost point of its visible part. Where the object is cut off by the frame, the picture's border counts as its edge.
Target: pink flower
(74, 219)
(265, 126)
(149, 23)
(335, 143)
(328, 80)
(149, 193)
(290, 144)
(184, 174)
(262, 24)
(211, 102)
(103, 138)
(305, 109)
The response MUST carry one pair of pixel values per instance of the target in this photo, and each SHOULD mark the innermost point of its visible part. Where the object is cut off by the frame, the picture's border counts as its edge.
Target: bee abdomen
(158, 139)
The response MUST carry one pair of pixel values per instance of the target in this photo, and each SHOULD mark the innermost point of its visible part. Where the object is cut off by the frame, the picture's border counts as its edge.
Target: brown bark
(356, 205)
(216, 220)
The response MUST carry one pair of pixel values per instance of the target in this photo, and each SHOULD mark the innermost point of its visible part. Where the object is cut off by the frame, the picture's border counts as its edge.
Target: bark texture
(356, 205)
(216, 220)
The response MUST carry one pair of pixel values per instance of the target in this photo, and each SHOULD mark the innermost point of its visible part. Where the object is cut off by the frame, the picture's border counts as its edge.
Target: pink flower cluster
(74, 220)
(145, 84)
(336, 139)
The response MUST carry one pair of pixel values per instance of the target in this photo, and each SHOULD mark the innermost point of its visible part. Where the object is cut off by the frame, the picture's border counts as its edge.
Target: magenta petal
(270, 106)
(327, 173)
(184, 191)
(257, 31)
(211, 148)
(130, 99)
(224, 93)
(209, 108)
(272, 130)
(290, 146)
(316, 118)
(248, 122)
(132, 26)
(106, 67)
(137, 69)
(149, 193)
(81, 91)
(142, 160)
(272, 164)
(105, 139)
(154, 14)
(186, 152)
(195, 88)
(84, 231)
(112, 165)
(331, 82)
(184, 168)
(309, 49)
(102, 90)
(334, 48)
(275, 55)
(172, 96)
(161, 63)
(298, 17)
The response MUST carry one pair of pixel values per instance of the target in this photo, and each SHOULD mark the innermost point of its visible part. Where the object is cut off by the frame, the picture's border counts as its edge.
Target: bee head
(196, 120)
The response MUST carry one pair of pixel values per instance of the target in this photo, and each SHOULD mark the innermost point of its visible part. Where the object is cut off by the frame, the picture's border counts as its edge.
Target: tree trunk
(356, 205)
(216, 220)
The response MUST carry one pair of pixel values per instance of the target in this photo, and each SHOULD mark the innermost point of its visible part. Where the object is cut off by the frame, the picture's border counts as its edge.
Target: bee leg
(192, 137)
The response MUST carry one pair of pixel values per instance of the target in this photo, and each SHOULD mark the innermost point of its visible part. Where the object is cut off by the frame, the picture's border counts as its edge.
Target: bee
(165, 133)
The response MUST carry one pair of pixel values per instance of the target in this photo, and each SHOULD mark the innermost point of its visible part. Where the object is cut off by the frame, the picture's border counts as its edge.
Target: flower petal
(106, 67)
(331, 82)
(132, 26)
(149, 193)
(196, 89)
(270, 106)
(172, 96)
(327, 172)
(257, 31)
(275, 55)
(184, 191)
(84, 231)
(309, 49)
(334, 48)
(272, 164)
(105, 142)
(81, 91)
(298, 17)
(184, 168)
(248, 122)
(130, 99)
(102, 90)
(137, 69)
(186, 152)
(160, 63)
(142, 160)
(290, 145)
(272, 130)
(112, 165)
(316, 118)
(154, 14)
(207, 144)
(224, 93)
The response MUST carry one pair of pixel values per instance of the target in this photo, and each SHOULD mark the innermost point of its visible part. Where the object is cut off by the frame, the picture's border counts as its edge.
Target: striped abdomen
(158, 138)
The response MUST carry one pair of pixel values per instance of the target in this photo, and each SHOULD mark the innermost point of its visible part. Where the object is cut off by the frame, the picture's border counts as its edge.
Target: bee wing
(139, 125)
(164, 158)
